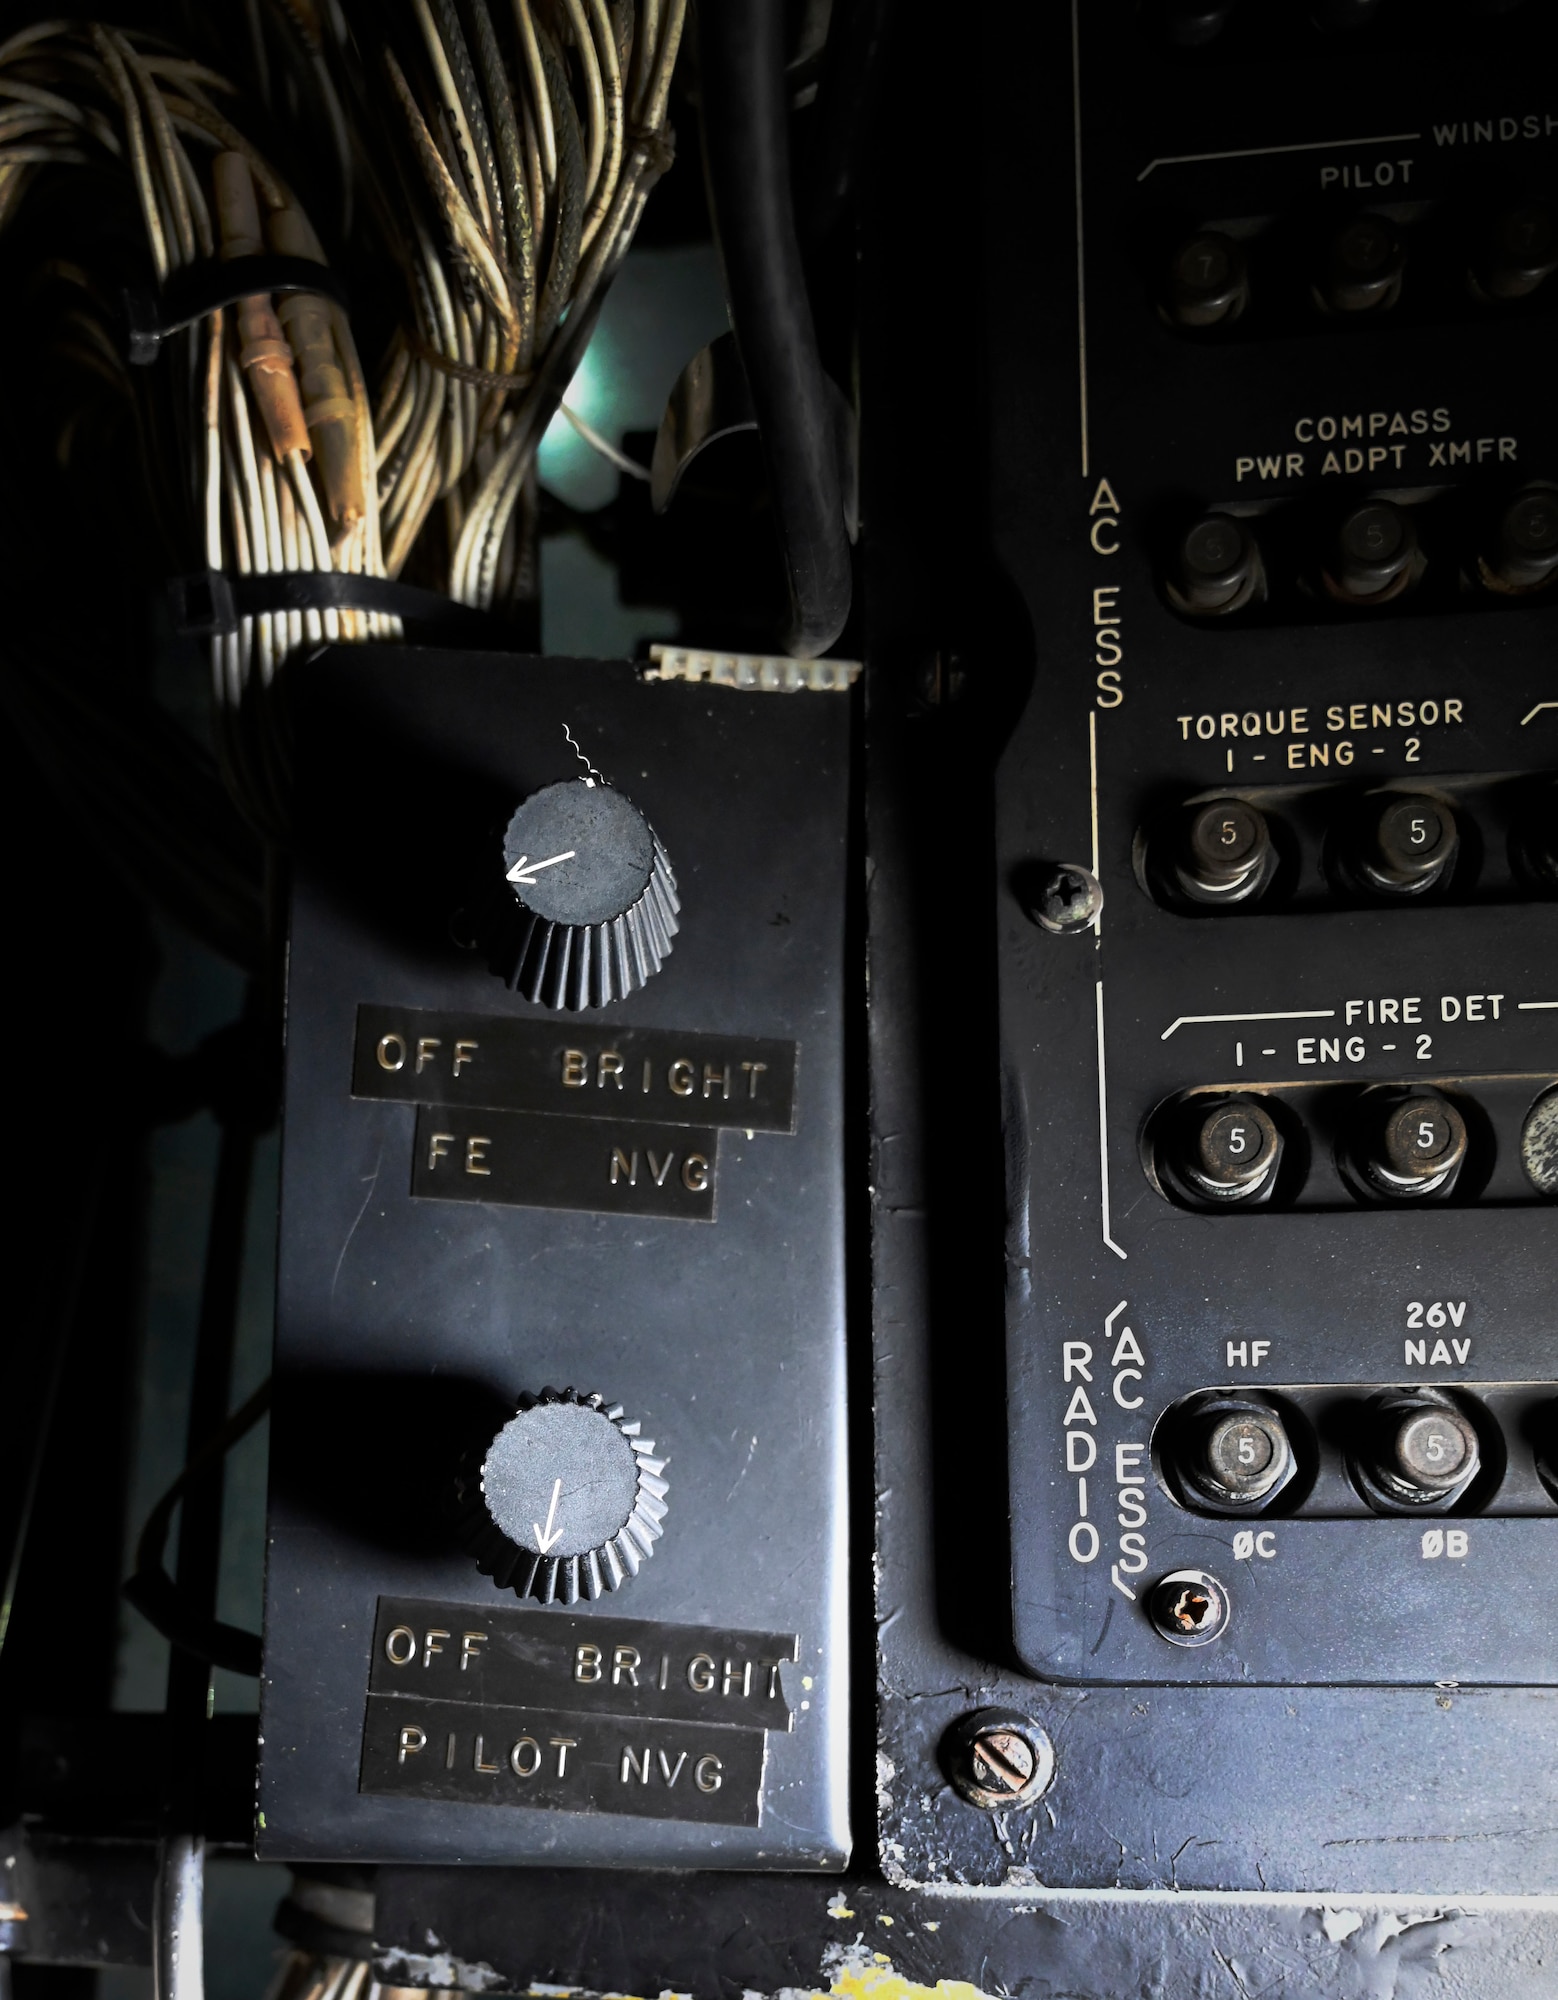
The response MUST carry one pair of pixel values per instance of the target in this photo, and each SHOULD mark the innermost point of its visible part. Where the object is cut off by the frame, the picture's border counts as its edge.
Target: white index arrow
(525, 870)
(547, 1535)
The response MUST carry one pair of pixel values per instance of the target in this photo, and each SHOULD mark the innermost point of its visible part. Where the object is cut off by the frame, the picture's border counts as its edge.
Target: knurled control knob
(566, 1502)
(1224, 851)
(1208, 281)
(1218, 568)
(1410, 843)
(1364, 264)
(1234, 1151)
(1420, 1451)
(1417, 1148)
(596, 900)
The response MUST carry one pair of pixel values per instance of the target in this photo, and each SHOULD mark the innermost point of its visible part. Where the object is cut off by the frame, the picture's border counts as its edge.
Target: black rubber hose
(747, 159)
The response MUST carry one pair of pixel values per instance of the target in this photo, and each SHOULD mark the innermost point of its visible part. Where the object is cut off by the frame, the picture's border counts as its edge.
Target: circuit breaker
(557, 1560)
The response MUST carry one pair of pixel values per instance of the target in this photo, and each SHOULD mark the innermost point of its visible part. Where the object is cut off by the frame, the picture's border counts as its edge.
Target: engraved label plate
(562, 1762)
(522, 1161)
(489, 1654)
(418, 1056)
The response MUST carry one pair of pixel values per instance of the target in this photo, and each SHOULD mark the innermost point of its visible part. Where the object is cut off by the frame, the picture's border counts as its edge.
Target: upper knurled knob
(595, 902)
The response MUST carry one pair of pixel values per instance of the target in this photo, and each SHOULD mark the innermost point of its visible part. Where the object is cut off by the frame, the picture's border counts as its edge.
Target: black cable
(842, 113)
(746, 154)
(155, 1594)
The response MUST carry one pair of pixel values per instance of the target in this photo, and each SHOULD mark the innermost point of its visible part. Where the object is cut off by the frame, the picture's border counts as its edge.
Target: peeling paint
(442, 1968)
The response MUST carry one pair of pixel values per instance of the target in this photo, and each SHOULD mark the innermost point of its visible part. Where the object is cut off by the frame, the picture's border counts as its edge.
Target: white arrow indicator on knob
(525, 870)
(547, 1535)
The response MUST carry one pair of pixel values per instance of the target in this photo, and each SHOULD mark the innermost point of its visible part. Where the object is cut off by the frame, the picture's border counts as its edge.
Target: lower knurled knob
(566, 1502)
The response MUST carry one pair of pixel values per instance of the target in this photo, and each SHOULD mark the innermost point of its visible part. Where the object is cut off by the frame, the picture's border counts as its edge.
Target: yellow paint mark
(806, 1682)
(878, 1981)
(884, 1920)
(836, 1908)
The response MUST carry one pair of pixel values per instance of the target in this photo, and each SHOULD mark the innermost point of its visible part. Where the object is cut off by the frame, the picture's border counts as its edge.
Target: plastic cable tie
(209, 602)
(200, 289)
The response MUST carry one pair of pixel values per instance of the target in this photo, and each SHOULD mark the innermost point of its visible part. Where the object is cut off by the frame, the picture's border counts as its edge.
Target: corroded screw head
(1001, 1760)
(998, 1759)
(1188, 1607)
(1068, 900)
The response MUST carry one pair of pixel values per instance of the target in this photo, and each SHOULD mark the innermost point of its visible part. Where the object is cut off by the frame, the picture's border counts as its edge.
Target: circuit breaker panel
(1281, 1342)
(557, 1539)
(1262, 649)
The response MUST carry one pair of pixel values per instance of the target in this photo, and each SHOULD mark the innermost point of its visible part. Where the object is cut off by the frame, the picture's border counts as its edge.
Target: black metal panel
(406, 1328)
(1307, 1788)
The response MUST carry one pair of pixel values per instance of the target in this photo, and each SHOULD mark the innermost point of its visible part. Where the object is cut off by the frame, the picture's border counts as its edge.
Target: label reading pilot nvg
(490, 1706)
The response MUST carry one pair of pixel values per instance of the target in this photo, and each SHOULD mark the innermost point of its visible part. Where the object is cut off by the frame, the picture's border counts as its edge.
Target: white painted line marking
(525, 870)
(1103, 1132)
(1298, 1014)
(1076, 127)
(1261, 152)
(1092, 779)
(1532, 1006)
(547, 1535)
(1536, 712)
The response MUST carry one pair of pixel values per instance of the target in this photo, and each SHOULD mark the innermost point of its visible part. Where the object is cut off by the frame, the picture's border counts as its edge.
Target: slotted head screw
(998, 1759)
(1001, 1760)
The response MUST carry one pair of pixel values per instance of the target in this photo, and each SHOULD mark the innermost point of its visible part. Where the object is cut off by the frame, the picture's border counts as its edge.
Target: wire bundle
(506, 167)
(533, 153)
(279, 452)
